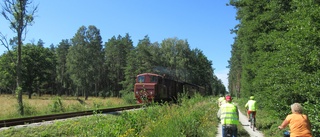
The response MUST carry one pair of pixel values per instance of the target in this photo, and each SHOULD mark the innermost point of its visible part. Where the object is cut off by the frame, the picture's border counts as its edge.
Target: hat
(228, 98)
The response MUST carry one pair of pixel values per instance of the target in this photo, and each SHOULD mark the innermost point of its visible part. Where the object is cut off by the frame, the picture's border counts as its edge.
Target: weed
(57, 105)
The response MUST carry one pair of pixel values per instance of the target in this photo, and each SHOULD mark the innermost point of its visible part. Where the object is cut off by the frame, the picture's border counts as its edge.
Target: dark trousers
(233, 128)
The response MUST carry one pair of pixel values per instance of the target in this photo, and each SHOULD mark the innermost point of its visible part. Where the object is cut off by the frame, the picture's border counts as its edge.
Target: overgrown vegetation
(89, 68)
(194, 117)
(275, 56)
(50, 105)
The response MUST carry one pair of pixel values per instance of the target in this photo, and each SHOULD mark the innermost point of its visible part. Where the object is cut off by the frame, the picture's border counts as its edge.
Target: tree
(145, 57)
(38, 67)
(275, 55)
(7, 73)
(84, 59)
(19, 16)
(116, 52)
(63, 79)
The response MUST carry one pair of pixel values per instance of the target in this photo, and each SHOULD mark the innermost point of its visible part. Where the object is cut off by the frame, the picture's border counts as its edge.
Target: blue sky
(205, 24)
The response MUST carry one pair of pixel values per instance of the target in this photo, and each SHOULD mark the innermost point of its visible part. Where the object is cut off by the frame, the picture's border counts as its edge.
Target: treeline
(83, 66)
(276, 55)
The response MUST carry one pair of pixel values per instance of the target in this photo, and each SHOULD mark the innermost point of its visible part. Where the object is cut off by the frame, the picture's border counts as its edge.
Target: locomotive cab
(145, 88)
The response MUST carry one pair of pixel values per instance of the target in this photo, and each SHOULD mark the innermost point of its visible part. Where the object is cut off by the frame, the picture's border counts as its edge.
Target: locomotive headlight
(151, 92)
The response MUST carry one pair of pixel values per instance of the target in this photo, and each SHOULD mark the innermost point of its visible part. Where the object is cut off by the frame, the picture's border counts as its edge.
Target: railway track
(35, 119)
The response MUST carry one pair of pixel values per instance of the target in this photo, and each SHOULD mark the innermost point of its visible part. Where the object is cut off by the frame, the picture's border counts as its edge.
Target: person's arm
(284, 124)
(246, 106)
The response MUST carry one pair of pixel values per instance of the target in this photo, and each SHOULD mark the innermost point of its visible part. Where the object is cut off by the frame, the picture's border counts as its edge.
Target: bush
(29, 110)
(128, 97)
(56, 105)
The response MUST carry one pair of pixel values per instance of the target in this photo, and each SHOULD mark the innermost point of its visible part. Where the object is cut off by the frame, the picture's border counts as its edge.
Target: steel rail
(35, 119)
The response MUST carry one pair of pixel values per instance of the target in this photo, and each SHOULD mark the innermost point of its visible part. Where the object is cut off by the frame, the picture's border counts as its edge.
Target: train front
(145, 88)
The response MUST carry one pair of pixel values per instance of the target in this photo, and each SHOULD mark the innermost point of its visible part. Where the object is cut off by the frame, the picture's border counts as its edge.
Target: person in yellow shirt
(298, 122)
(229, 117)
(251, 107)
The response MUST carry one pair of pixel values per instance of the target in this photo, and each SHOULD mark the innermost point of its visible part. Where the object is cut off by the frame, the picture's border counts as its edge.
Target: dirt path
(244, 122)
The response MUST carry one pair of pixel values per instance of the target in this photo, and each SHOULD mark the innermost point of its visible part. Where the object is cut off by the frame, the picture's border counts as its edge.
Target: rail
(35, 119)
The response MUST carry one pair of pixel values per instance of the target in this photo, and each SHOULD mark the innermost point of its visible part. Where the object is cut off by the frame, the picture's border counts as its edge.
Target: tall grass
(52, 104)
(195, 117)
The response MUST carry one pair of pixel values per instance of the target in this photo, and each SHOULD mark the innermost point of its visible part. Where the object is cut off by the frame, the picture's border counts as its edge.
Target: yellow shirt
(299, 125)
(251, 105)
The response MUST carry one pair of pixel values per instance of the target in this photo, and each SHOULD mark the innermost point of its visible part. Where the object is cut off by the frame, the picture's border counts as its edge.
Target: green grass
(191, 117)
(195, 117)
(53, 104)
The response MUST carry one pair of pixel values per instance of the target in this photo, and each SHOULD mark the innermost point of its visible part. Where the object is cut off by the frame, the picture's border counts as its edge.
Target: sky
(205, 24)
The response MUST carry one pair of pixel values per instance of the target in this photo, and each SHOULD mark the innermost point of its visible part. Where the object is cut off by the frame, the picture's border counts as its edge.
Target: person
(251, 107)
(229, 116)
(221, 100)
(298, 122)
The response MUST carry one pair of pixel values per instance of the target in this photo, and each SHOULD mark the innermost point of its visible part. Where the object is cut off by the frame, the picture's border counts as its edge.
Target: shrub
(128, 97)
(28, 109)
(56, 105)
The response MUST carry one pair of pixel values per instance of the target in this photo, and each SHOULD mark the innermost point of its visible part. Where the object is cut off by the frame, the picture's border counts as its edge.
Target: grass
(52, 104)
(194, 117)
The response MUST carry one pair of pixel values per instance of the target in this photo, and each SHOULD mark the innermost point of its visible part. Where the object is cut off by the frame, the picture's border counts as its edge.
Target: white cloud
(223, 76)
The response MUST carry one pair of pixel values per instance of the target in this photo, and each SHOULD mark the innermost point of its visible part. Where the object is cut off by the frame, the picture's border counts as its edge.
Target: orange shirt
(299, 125)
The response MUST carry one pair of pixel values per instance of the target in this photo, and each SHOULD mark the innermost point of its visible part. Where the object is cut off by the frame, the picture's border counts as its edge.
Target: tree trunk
(19, 89)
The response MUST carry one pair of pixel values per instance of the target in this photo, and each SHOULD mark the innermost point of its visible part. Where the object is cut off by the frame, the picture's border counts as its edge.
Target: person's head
(228, 98)
(251, 97)
(296, 108)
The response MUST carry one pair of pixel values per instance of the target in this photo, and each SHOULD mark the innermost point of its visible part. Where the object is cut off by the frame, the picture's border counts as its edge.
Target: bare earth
(244, 122)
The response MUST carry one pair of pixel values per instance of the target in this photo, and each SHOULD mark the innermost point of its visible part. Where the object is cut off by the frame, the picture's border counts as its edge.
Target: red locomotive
(153, 87)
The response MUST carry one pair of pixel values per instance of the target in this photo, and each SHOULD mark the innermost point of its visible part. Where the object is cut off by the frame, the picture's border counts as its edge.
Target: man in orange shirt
(299, 123)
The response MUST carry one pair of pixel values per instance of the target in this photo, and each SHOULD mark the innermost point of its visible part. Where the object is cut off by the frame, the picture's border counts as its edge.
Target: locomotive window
(141, 79)
(153, 79)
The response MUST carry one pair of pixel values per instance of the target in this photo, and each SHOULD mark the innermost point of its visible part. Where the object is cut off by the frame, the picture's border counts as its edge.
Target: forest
(276, 55)
(83, 66)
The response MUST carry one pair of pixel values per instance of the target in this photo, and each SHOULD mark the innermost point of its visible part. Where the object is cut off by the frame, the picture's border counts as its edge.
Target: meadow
(190, 118)
(46, 104)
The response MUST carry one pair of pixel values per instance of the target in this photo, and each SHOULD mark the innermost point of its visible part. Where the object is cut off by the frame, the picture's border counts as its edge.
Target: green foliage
(7, 72)
(20, 107)
(57, 105)
(76, 107)
(116, 53)
(84, 60)
(195, 118)
(313, 113)
(277, 54)
(128, 97)
(82, 67)
(97, 105)
(38, 65)
(63, 78)
(28, 109)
